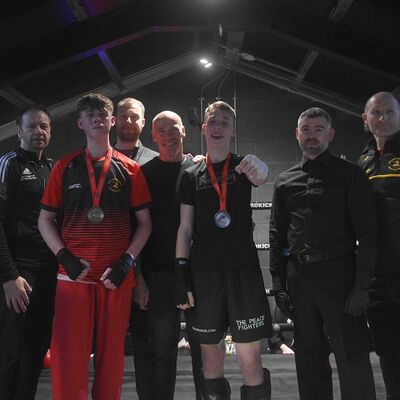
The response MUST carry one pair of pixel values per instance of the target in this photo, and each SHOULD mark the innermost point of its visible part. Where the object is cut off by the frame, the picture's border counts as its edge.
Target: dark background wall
(266, 120)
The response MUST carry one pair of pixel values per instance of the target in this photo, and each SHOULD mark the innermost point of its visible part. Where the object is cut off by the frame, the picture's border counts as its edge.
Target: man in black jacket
(321, 208)
(381, 162)
(27, 266)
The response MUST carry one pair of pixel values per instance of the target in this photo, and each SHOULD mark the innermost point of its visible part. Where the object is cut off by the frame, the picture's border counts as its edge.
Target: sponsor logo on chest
(115, 185)
(27, 175)
(394, 164)
(74, 186)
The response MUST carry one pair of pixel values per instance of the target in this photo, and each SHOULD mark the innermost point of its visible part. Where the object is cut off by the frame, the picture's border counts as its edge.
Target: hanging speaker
(193, 117)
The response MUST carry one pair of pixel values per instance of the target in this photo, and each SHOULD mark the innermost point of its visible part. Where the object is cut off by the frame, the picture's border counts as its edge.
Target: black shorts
(230, 298)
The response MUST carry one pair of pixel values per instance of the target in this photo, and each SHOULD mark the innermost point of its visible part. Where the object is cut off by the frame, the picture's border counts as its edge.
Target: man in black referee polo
(321, 208)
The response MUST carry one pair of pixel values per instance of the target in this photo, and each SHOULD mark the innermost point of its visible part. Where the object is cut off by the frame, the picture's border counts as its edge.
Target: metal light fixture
(205, 62)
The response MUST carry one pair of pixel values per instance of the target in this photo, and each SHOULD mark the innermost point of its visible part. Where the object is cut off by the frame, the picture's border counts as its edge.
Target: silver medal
(95, 215)
(222, 219)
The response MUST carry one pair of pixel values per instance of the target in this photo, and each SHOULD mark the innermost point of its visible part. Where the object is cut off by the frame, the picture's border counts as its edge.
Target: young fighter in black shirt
(228, 287)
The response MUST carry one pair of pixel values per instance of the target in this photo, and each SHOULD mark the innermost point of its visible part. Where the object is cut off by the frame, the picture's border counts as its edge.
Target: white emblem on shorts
(251, 323)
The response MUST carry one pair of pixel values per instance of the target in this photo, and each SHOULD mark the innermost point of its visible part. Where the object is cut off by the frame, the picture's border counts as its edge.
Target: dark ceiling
(337, 52)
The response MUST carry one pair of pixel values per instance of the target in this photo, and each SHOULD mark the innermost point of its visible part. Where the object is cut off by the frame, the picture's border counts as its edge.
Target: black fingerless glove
(121, 268)
(72, 265)
(182, 281)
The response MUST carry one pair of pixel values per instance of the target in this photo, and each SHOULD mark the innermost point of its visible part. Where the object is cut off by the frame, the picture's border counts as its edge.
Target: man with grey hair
(381, 162)
(321, 208)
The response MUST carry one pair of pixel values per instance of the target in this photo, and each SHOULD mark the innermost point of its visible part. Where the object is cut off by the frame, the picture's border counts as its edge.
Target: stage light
(205, 62)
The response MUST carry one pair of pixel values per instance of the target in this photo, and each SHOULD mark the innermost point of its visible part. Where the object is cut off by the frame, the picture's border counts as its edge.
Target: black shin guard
(258, 392)
(216, 389)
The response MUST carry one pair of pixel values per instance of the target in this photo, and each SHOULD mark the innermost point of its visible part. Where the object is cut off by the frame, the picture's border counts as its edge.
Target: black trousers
(25, 337)
(384, 322)
(155, 335)
(319, 291)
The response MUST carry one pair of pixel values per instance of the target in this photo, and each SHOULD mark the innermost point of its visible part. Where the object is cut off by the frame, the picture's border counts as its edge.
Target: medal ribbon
(224, 181)
(97, 189)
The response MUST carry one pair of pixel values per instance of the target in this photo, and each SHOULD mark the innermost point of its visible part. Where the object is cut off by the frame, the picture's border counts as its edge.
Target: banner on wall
(261, 205)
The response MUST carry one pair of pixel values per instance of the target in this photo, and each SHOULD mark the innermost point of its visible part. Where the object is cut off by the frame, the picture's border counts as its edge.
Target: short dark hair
(130, 101)
(315, 112)
(219, 105)
(94, 101)
(30, 108)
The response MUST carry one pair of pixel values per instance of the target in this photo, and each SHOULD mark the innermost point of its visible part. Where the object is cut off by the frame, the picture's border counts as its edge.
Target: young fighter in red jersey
(91, 194)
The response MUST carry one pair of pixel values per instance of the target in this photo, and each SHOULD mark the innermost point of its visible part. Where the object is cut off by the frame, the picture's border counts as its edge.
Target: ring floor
(283, 377)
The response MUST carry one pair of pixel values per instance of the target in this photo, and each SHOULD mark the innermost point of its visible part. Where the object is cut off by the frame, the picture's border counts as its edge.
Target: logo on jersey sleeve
(366, 157)
(27, 175)
(114, 185)
(394, 164)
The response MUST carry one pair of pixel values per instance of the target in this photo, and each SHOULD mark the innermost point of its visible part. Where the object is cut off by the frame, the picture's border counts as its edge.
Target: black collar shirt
(322, 208)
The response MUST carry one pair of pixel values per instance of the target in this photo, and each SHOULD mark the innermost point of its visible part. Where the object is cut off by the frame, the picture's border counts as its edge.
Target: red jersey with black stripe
(68, 193)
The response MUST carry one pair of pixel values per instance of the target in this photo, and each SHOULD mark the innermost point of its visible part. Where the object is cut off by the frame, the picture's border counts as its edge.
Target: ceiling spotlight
(205, 62)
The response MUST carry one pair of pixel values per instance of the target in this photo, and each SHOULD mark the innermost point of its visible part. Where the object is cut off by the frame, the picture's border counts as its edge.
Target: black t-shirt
(213, 247)
(163, 180)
